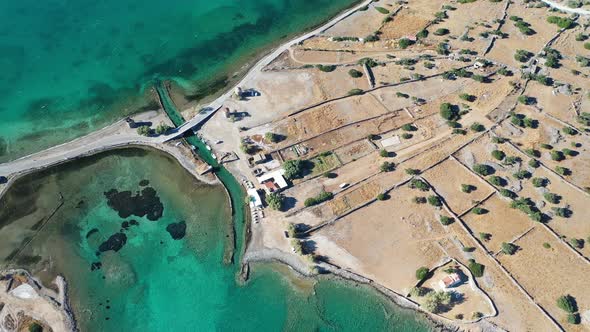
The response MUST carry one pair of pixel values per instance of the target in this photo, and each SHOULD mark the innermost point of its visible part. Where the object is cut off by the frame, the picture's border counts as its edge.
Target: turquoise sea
(157, 283)
(72, 66)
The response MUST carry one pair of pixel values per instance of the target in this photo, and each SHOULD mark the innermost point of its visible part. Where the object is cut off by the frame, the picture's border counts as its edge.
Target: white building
(273, 181)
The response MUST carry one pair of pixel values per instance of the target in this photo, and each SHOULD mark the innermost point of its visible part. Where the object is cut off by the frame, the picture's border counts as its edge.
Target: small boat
(214, 156)
(208, 147)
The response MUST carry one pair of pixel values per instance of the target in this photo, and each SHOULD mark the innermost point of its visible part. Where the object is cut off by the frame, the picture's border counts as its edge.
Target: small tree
(507, 193)
(499, 155)
(567, 303)
(162, 128)
(477, 127)
(35, 327)
(386, 166)
(422, 273)
(434, 201)
(478, 210)
(446, 220)
(275, 201)
(419, 184)
(449, 112)
(355, 73)
(271, 137)
(384, 153)
(144, 130)
(509, 248)
(476, 268)
(577, 243)
(412, 171)
(483, 169)
(293, 169)
(468, 188)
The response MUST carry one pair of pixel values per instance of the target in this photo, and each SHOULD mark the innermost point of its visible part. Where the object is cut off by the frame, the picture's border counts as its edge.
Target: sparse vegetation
(320, 198)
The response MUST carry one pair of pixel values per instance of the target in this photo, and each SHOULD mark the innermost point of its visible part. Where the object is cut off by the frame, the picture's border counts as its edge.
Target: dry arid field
(438, 150)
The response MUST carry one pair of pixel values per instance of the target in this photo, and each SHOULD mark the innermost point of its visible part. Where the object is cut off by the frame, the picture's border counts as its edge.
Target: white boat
(214, 156)
(208, 147)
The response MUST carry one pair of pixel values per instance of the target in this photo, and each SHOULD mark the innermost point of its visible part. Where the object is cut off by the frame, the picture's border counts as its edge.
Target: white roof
(390, 141)
(253, 193)
(277, 176)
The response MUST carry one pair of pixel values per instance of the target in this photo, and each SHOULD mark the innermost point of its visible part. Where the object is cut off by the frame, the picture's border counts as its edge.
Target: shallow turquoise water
(155, 283)
(71, 66)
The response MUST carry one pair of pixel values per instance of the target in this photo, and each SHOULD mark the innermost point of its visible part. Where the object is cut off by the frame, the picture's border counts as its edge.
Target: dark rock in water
(125, 224)
(147, 203)
(80, 204)
(115, 243)
(177, 230)
(133, 222)
(144, 183)
(92, 231)
(95, 266)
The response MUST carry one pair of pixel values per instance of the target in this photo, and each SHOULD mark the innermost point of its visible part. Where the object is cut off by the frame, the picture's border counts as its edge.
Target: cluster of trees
(523, 55)
(523, 27)
(562, 22)
(568, 304)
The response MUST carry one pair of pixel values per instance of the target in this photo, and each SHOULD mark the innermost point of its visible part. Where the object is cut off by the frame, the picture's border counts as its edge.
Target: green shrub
(422, 273)
(382, 10)
(499, 155)
(468, 188)
(522, 174)
(477, 127)
(476, 268)
(539, 182)
(577, 243)
(507, 193)
(387, 166)
(523, 55)
(546, 245)
(557, 155)
(546, 146)
(382, 196)
(441, 32)
(511, 160)
(484, 236)
(533, 153)
(562, 22)
(355, 73)
(404, 43)
(412, 171)
(434, 200)
(525, 100)
(272, 137)
(562, 171)
(326, 68)
(321, 197)
(446, 220)
(384, 153)
(162, 128)
(449, 111)
(483, 169)
(419, 184)
(567, 303)
(478, 210)
(552, 198)
(409, 127)
(509, 248)
(570, 131)
(144, 131)
(355, 92)
(573, 318)
(436, 301)
(534, 163)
